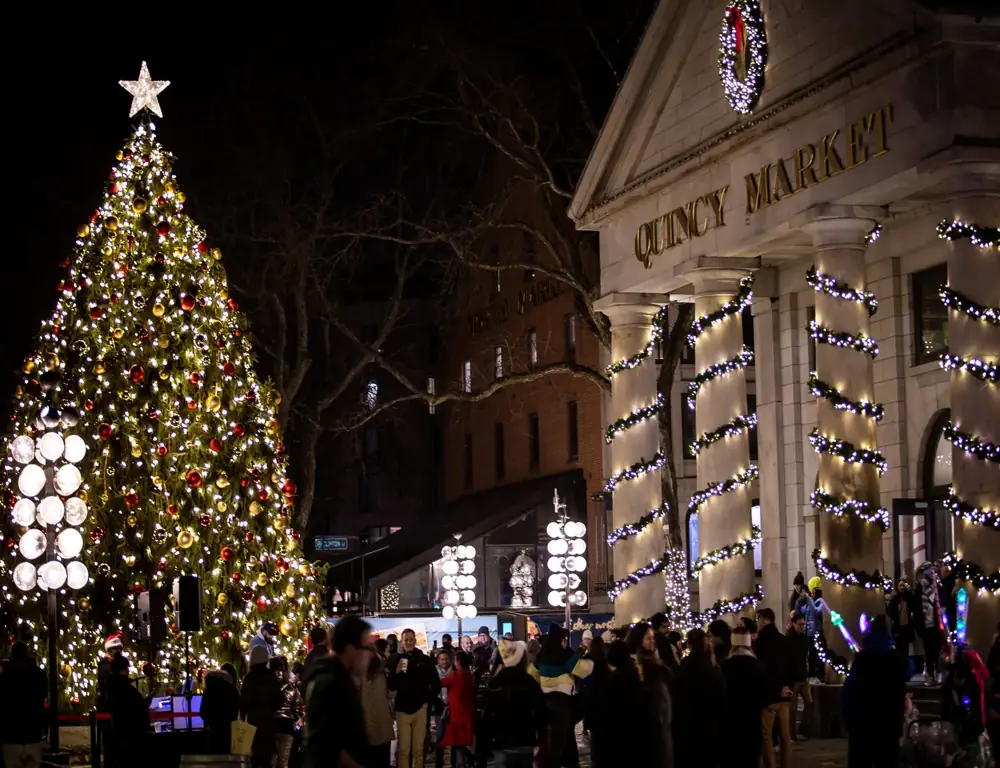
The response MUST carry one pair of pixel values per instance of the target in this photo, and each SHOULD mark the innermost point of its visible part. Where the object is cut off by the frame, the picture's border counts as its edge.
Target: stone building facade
(872, 119)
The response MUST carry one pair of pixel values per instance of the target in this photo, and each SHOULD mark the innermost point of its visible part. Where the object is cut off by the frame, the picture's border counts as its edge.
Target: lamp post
(459, 582)
(566, 562)
(49, 512)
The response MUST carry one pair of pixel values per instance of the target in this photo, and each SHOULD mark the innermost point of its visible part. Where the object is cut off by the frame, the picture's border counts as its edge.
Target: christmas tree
(181, 456)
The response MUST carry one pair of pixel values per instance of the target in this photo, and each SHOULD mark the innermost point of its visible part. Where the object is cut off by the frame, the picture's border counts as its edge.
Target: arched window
(937, 458)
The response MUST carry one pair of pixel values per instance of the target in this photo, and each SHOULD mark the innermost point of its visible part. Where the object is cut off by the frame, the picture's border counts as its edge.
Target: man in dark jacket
(416, 683)
(22, 708)
(873, 701)
(746, 686)
(798, 647)
(129, 712)
(515, 715)
(773, 652)
(334, 733)
(661, 628)
(320, 639)
(720, 636)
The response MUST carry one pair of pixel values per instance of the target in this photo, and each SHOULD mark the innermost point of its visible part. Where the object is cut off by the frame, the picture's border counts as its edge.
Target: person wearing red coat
(461, 719)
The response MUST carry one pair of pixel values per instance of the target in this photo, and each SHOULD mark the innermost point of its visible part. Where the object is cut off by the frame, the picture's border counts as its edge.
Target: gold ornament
(118, 333)
(159, 310)
(261, 579)
(224, 294)
(163, 342)
(65, 671)
(164, 374)
(29, 366)
(185, 539)
(290, 590)
(313, 598)
(157, 482)
(51, 362)
(169, 187)
(304, 569)
(272, 428)
(83, 604)
(244, 646)
(18, 391)
(111, 223)
(131, 520)
(119, 155)
(181, 197)
(83, 230)
(252, 562)
(136, 450)
(221, 506)
(108, 251)
(289, 628)
(222, 599)
(213, 403)
(276, 478)
(216, 254)
(83, 495)
(179, 250)
(99, 367)
(254, 509)
(280, 523)
(276, 397)
(129, 560)
(138, 204)
(223, 480)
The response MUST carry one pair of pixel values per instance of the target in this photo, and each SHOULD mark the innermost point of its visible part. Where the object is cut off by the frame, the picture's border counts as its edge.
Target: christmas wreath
(742, 54)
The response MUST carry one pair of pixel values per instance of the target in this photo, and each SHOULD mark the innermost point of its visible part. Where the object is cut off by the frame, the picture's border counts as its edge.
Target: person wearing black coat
(129, 712)
(775, 655)
(23, 690)
(220, 706)
(799, 647)
(260, 700)
(515, 714)
(699, 707)
(874, 700)
(902, 610)
(746, 689)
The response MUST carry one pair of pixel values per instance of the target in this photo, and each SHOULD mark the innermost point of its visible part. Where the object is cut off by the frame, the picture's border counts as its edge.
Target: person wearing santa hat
(114, 647)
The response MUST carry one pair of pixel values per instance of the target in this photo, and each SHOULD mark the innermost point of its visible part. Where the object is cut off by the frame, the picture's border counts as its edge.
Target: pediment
(671, 105)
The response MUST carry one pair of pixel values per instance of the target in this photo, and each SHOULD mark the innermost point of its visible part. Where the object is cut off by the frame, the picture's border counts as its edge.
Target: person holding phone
(413, 677)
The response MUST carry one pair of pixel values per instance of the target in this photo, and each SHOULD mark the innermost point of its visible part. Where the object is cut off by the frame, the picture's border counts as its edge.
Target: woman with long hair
(373, 689)
(699, 706)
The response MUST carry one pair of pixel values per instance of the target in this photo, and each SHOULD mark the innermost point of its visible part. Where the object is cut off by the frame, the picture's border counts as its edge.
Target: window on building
(368, 491)
(747, 317)
(532, 348)
(499, 457)
(930, 316)
(688, 426)
(692, 539)
(574, 430)
(758, 553)
(810, 341)
(467, 376)
(534, 447)
(752, 435)
(371, 395)
(498, 362)
(570, 331)
(468, 460)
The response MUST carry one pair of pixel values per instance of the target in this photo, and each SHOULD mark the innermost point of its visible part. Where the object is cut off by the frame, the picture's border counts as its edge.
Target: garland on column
(822, 500)
(742, 423)
(987, 372)
(635, 417)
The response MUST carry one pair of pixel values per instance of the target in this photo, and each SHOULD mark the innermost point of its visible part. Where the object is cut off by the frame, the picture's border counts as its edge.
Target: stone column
(631, 318)
(974, 273)
(723, 520)
(847, 541)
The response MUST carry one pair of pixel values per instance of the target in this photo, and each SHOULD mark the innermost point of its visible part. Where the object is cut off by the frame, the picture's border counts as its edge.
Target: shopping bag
(241, 741)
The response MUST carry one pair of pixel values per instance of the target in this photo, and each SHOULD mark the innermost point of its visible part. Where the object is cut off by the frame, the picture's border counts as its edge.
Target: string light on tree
(655, 337)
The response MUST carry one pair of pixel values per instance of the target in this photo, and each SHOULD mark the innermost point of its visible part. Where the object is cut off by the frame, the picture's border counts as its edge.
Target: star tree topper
(144, 92)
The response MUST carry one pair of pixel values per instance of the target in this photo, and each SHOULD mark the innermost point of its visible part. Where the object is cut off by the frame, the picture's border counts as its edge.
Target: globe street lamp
(459, 582)
(566, 548)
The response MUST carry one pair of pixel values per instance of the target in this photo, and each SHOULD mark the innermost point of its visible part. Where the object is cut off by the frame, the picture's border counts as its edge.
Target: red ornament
(297, 536)
(256, 473)
(88, 405)
(239, 430)
(195, 377)
(247, 592)
(171, 509)
(202, 301)
(248, 538)
(159, 258)
(121, 269)
(192, 404)
(161, 450)
(205, 520)
(138, 589)
(127, 154)
(96, 535)
(132, 500)
(114, 188)
(161, 566)
(161, 200)
(193, 478)
(143, 333)
(104, 431)
(95, 313)
(145, 159)
(244, 482)
(262, 494)
(152, 414)
(225, 634)
(289, 488)
(163, 229)
(227, 553)
(148, 668)
(202, 247)
(237, 333)
(187, 302)
(229, 369)
(261, 603)
(237, 575)
(281, 564)
(215, 445)
(233, 304)
(136, 374)
(251, 397)
(114, 299)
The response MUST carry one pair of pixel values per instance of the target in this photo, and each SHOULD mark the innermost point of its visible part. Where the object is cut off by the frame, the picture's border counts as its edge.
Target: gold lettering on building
(861, 141)
(685, 222)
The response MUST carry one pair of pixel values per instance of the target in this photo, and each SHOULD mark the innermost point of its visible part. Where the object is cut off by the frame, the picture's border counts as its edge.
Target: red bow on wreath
(736, 20)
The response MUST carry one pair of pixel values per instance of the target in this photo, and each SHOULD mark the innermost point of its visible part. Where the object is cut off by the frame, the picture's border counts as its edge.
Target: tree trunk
(305, 475)
(673, 350)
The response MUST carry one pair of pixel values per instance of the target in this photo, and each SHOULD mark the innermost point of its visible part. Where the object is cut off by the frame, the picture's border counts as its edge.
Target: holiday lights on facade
(851, 578)
(859, 343)
(847, 451)
(740, 361)
(823, 283)
(655, 337)
(634, 529)
(740, 301)
(742, 423)
(736, 549)
(972, 573)
(635, 471)
(984, 237)
(635, 417)
(459, 581)
(838, 400)
(956, 302)
(739, 480)
(984, 517)
(742, 55)
(971, 445)
(831, 505)
(988, 373)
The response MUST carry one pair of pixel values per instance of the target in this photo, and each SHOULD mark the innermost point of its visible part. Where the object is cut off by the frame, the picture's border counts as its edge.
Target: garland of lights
(721, 554)
(829, 659)
(820, 388)
(851, 578)
(634, 529)
(825, 502)
(723, 607)
(728, 485)
(971, 444)
(957, 302)
(676, 596)
(637, 470)
(988, 373)
(650, 569)
(655, 335)
(742, 423)
(742, 55)
(847, 451)
(972, 573)
(984, 237)
(740, 301)
(961, 509)
(859, 343)
(823, 283)
(636, 417)
(742, 360)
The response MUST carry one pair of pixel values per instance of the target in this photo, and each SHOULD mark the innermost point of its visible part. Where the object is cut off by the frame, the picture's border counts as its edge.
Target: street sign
(331, 543)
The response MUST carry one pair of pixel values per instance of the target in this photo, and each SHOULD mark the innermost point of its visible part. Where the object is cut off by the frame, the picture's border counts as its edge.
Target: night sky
(66, 114)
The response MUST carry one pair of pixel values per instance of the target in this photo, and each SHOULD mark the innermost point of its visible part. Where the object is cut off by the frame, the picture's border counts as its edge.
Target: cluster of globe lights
(566, 548)
(50, 472)
(459, 581)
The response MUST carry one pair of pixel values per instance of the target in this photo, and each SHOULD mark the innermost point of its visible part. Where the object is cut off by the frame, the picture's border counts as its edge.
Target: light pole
(566, 562)
(459, 582)
(48, 511)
